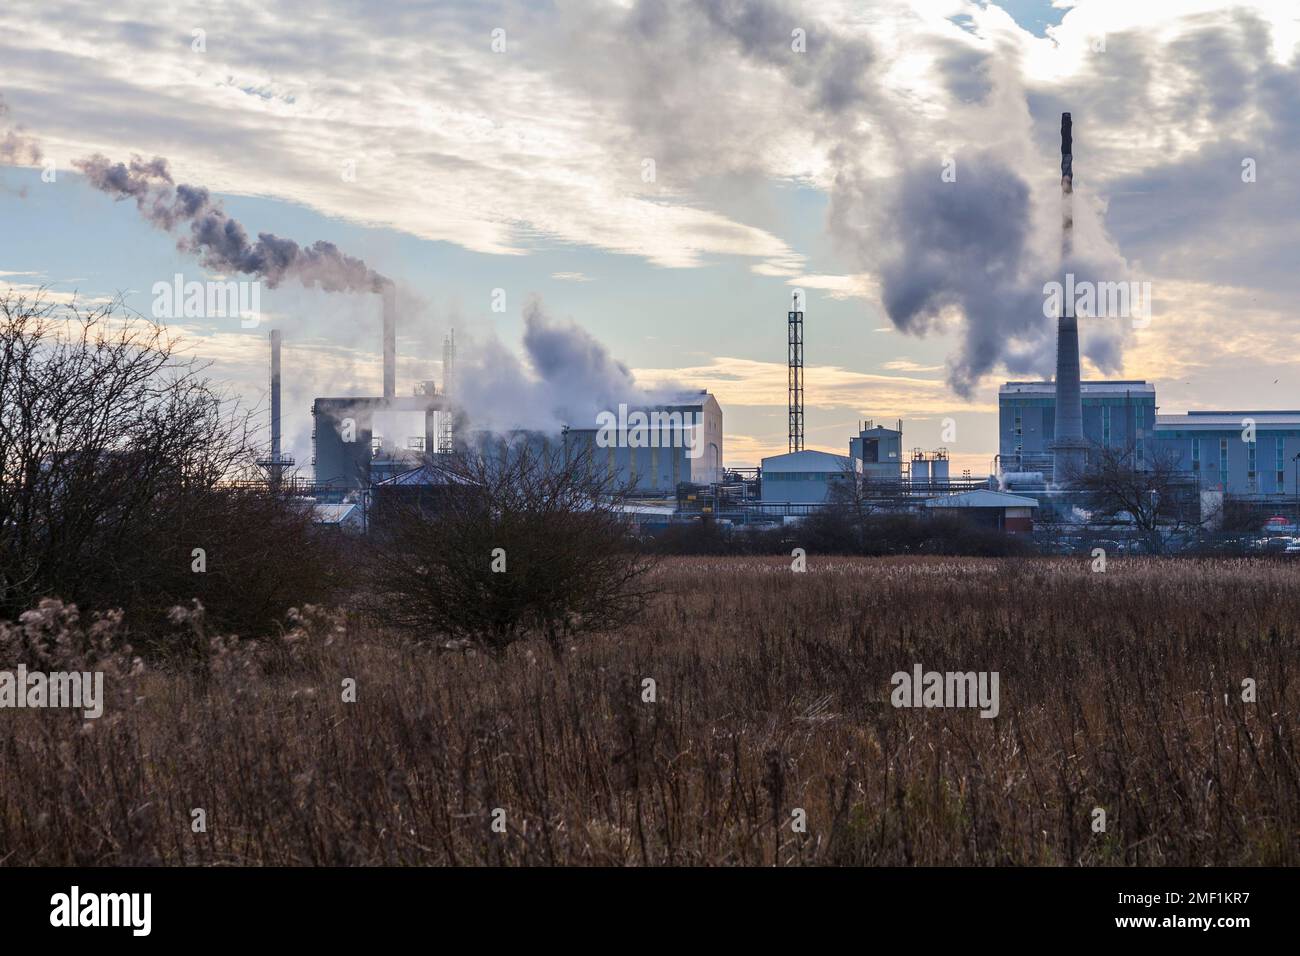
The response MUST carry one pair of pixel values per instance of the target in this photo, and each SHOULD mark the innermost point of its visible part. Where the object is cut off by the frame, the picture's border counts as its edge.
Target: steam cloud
(963, 249)
(969, 255)
(569, 377)
(220, 242)
(16, 147)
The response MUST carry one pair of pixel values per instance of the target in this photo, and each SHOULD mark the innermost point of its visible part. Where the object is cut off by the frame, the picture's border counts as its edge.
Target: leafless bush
(115, 453)
(507, 541)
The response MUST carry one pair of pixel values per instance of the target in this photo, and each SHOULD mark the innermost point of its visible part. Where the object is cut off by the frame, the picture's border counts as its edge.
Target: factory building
(357, 441)
(1118, 414)
(1214, 446)
(804, 477)
(887, 477)
(879, 451)
(655, 448)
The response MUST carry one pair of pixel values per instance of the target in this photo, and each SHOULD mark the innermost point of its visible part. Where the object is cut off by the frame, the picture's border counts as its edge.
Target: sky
(618, 199)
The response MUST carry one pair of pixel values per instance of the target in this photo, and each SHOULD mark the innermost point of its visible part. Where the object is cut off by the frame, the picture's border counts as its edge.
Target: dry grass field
(1120, 690)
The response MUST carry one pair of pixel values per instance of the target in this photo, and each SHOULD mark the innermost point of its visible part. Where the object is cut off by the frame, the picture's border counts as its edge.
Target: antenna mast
(795, 328)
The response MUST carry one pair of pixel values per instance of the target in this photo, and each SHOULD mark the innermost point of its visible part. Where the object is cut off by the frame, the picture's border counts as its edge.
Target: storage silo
(939, 469)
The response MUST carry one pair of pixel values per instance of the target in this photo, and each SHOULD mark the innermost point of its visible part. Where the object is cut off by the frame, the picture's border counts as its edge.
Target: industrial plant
(670, 455)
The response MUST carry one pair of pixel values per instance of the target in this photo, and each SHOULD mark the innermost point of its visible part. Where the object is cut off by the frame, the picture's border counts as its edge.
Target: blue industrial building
(1213, 446)
(653, 449)
(1119, 414)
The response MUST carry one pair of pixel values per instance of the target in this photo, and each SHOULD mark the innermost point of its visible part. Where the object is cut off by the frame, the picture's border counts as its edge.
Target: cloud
(746, 382)
(548, 142)
(16, 147)
(859, 286)
(907, 365)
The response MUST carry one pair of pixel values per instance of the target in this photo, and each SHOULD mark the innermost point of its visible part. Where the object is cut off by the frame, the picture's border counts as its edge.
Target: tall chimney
(389, 294)
(1069, 447)
(446, 417)
(275, 395)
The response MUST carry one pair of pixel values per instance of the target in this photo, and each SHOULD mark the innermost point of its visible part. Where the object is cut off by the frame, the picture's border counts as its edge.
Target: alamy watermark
(82, 690)
(210, 299)
(1099, 300)
(130, 910)
(923, 688)
(652, 429)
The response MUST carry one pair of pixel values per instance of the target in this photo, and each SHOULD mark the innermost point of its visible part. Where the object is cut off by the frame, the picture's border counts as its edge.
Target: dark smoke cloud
(16, 147)
(220, 242)
(837, 72)
(969, 249)
(565, 352)
(961, 248)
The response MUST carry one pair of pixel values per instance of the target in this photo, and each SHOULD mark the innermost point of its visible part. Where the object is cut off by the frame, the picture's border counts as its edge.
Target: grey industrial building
(879, 450)
(804, 477)
(358, 441)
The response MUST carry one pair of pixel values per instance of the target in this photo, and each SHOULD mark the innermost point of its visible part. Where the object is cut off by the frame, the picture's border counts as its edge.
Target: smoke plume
(568, 377)
(965, 255)
(16, 147)
(220, 242)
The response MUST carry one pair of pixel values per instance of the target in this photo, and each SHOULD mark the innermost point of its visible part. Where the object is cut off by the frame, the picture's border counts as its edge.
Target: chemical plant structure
(1048, 433)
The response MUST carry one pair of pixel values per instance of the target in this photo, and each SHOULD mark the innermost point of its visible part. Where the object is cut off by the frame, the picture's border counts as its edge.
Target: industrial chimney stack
(389, 294)
(1069, 448)
(446, 426)
(275, 395)
(276, 464)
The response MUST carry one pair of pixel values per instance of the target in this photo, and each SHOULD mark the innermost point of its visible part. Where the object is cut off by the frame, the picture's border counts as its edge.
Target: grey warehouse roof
(982, 499)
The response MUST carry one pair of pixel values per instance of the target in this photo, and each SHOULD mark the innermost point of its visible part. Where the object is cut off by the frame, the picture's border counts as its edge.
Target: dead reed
(771, 694)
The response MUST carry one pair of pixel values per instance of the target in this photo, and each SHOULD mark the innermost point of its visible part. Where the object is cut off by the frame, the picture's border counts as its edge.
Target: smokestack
(276, 463)
(275, 395)
(389, 294)
(1069, 447)
(446, 432)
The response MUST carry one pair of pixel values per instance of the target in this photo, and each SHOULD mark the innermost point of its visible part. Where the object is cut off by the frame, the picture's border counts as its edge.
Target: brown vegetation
(1119, 690)
(117, 466)
(501, 545)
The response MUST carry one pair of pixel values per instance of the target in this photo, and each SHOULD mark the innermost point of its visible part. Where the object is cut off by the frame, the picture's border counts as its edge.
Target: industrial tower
(446, 437)
(276, 464)
(1069, 449)
(796, 376)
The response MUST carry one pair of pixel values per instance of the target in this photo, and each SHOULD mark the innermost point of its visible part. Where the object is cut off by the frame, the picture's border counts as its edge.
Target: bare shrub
(504, 542)
(116, 462)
